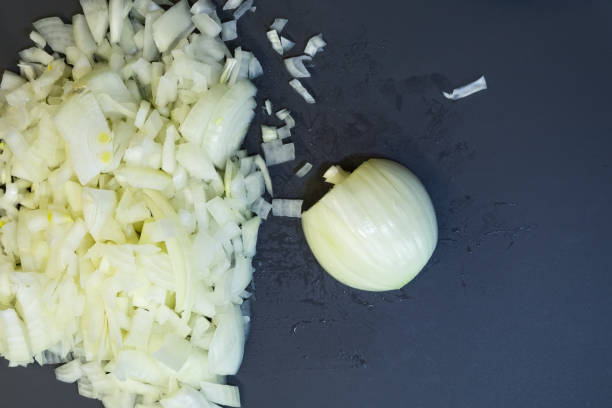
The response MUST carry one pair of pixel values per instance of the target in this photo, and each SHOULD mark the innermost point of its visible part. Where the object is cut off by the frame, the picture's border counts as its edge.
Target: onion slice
(296, 68)
(315, 44)
(479, 85)
(303, 92)
(275, 41)
(287, 208)
(279, 24)
(304, 170)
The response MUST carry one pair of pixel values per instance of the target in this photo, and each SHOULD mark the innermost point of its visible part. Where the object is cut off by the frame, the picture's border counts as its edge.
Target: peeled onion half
(376, 229)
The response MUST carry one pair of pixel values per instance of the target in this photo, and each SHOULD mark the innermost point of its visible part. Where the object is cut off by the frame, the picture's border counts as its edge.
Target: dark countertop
(514, 308)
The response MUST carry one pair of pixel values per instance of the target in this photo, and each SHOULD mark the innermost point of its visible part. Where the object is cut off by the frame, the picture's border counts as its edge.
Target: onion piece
(304, 170)
(315, 44)
(173, 25)
(231, 4)
(244, 7)
(261, 164)
(206, 24)
(283, 114)
(118, 10)
(203, 6)
(82, 35)
(255, 68)
(229, 30)
(479, 85)
(275, 41)
(283, 132)
(287, 208)
(303, 92)
(70, 372)
(35, 54)
(144, 7)
(268, 107)
(262, 208)
(287, 44)
(96, 14)
(227, 395)
(38, 39)
(268, 133)
(279, 24)
(278, 153)
(57, 34)
(296, 68)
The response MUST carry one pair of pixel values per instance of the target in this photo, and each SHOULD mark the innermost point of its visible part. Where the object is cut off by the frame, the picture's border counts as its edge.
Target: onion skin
(376, 229)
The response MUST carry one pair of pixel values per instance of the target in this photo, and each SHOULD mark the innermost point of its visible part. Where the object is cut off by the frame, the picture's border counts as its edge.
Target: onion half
(376, 229)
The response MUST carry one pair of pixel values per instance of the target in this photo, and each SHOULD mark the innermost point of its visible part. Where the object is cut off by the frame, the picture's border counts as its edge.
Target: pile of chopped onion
(129, 216)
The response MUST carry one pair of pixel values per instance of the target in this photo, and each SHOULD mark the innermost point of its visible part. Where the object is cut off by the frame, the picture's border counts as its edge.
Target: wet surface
(513, 309)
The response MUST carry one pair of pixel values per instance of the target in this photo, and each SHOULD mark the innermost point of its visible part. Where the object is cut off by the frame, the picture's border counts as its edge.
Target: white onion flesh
(302, 91)
(229, 30)
(57, 34)
(304, 170)
(277, 153)
(275, 41)
(268, 133)
(231, 4)
(203, 6)
(315, 44)
(287, 208)
(479, 85)
(296, 68)
(279, 24)
(244, 7)
(376, 229)
(287, 44)
(129, 215)
(38, 39)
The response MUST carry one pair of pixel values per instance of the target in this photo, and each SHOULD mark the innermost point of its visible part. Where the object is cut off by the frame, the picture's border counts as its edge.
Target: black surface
(514, 308)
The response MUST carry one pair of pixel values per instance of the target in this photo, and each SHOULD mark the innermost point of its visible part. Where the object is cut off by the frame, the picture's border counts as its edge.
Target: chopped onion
(277, 153)
(231, 4)
(275, 41)
(303, 92)
(206, 24)
(172, 26)
(57, 34)
(96, 14)
(82, 35)
(376, 229)
(203, 7)
(244, 7)
(315, 44)
(262, 208)
(287, 208)
(229, 30)
(38, 39)
(283, 132)
(255, 68)
(287, 44)
(479, 85)
(128, 222)
(296, 68)
(279, 24)
(304, 170)
(118, 10)
(268, 107)
(227, 395)
(283, 114)
(268, 133)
